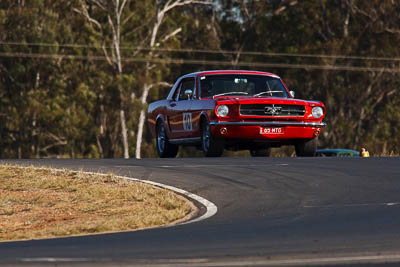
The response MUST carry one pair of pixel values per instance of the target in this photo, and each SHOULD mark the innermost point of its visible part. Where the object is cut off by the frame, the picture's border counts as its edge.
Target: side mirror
(189, 93)
(292, 93)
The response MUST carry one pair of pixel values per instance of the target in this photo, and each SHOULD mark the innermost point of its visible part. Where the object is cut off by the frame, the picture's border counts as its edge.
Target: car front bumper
(269, 123)
(251, 129)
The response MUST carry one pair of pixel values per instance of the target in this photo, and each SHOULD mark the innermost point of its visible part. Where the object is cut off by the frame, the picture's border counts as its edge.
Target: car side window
(185, 85)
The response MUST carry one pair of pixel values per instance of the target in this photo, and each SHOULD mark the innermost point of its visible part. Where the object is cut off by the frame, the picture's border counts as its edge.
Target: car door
(180, 118)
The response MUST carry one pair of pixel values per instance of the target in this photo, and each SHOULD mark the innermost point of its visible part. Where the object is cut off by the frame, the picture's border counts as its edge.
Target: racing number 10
(187, 121)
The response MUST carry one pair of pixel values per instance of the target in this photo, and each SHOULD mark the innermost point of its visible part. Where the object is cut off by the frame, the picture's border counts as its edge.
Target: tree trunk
(124, 131)
(142, 118)
(99, 146)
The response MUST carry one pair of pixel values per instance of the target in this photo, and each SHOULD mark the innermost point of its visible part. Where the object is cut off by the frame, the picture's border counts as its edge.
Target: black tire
(164, 148)
(306, 148)
(210, 145)
(260, 152)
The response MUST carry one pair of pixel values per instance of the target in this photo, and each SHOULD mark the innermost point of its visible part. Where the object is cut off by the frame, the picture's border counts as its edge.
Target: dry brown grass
(43, 203)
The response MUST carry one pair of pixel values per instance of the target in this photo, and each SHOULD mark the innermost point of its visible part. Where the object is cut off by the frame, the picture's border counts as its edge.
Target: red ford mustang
(235, 110)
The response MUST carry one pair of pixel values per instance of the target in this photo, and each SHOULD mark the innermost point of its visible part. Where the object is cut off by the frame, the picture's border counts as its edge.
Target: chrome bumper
(269, 123)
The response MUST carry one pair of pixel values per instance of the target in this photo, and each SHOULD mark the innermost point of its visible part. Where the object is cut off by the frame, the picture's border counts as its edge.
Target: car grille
(278, 110)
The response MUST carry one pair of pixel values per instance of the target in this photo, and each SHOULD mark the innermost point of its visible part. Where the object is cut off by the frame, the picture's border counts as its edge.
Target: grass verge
(44, 203)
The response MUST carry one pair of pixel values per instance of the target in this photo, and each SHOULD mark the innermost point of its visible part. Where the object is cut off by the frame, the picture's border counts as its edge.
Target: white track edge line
(211, 208)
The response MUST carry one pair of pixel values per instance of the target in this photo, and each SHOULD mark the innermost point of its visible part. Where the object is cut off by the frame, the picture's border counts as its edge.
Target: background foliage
(63, 88)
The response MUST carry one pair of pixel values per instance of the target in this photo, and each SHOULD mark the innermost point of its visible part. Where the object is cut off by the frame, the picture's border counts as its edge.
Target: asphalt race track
(271, 212)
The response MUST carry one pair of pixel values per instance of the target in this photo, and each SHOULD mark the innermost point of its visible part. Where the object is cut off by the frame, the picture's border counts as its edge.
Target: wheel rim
(161, 139)
(206, 137)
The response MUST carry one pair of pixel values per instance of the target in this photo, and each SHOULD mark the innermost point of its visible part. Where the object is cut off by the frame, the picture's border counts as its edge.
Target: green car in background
(337, 152)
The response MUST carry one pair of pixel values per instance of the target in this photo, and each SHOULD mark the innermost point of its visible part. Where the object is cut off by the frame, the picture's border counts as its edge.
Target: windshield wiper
(232, 93)
(268, 92)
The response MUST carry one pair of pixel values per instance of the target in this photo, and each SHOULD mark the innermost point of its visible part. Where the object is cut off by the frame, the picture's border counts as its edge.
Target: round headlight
(222, 111)
(317, 112)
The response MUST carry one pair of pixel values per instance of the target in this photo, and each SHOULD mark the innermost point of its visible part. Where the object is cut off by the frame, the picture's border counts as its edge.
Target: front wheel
(164, 148)
(306, 148)
(211, 146)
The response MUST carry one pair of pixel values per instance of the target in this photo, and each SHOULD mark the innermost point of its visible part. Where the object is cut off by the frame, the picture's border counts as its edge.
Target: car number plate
(272, 130)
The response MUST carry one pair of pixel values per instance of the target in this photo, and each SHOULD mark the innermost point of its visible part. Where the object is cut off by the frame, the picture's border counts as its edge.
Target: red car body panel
(182, 117)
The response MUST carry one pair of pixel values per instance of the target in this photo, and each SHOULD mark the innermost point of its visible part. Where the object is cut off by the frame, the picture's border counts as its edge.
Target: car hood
(264, 100)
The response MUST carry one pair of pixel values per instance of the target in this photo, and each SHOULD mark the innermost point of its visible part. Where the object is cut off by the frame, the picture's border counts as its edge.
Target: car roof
(213, 72)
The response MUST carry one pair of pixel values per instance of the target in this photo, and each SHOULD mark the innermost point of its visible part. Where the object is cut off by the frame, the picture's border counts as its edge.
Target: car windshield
(241, 84)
